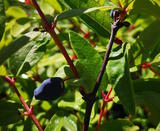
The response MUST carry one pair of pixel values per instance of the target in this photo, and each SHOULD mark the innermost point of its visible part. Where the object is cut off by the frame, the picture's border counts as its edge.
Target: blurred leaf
(124, 3)
(25, 58)
(60, 121)
(28, 85)
(16, 12)
(64, 72)
(119, 76)
(118, 125)
(89, 62)
(3, 71)
(148, 7)
(79, 12)
(99, 21)
(2, 18)
(150, 38)
(57, 60)
(55, 5)
(158, 127)
(7, 51)
(9, 112)
(148, 93)
(17, 29)
(75, 104)
(29, 126)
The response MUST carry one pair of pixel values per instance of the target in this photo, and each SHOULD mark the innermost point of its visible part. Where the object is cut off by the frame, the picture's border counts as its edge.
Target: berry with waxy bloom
(50, 89)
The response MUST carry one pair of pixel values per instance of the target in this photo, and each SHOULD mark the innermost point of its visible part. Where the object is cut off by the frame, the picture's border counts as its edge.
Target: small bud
(74, 57)
(28, 2)
(86, 35)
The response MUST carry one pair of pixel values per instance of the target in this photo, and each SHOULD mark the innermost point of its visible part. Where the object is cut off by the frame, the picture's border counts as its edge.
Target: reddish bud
(74, 57)
(28, 2)
(145, 65)
(86, 35)
(118, 41)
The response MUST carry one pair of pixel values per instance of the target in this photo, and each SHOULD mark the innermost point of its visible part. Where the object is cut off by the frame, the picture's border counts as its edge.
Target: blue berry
(111, 13)
(50, 89)
(114, 13)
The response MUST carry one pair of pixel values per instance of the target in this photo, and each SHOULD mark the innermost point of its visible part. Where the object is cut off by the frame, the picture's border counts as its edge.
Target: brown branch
(90, 98)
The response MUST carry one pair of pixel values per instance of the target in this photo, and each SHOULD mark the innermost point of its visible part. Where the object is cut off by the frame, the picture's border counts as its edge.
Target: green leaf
(9, 112)
(25, 58)
(119, 76)
(148, 93)
(79, 12)
(118, 125)
(99, 21)
(16, 12)
(28, 85)
(60, 121)
(55, 5)
(89, 62)
(75, 104)
(124, 3)
(158, 127)
(3, 71)
(28, 126)
(7, 51)
(2, 18)
(64, 72)
(148, 7)
(149, 40)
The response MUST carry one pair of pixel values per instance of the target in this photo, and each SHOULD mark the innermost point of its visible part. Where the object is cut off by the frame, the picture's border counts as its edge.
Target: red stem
(50, 30)
(101, 115)
(32, 116)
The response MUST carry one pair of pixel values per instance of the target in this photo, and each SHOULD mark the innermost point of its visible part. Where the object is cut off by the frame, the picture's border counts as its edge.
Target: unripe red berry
(28, 2)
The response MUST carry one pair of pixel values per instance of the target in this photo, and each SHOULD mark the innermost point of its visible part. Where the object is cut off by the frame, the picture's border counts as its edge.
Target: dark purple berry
(114, 13)
(111, 13)
(50, 89)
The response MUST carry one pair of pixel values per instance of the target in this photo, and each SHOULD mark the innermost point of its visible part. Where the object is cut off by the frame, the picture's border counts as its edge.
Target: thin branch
(154, 71)
(90, 99)
(100, 117)
(29, 110)
(50, 30)
(106, 99)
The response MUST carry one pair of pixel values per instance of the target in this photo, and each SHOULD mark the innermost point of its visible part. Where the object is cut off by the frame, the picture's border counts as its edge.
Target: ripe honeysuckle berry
(50, 89)
(114, 13)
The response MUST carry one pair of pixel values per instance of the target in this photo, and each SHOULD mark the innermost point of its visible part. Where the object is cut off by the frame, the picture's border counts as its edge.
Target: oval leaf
(9, 113)
(89, 62)
(119, 76)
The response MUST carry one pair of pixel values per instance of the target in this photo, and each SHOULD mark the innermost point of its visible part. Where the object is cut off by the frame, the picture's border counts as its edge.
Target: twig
(90, 98)
(106, 99)
(29, 111)
(50, 30)
(148, 65)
